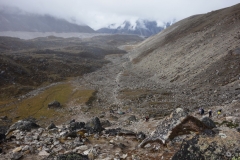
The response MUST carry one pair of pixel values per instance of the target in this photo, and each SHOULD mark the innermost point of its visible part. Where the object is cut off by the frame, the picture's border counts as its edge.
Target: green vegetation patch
(37, 106)
(229, 124)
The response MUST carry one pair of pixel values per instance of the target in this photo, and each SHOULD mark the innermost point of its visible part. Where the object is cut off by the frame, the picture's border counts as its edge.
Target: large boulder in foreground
(204, 147)
(69, 156)
(23, 125)
(178, 123)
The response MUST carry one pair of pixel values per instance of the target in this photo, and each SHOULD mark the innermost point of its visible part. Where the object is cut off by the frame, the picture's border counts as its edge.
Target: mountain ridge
(140, 27)
(17, 20)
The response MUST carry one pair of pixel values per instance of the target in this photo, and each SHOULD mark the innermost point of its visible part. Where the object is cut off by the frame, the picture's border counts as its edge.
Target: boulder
(208, 122)
(238, 129)
(105, 123)
(23, 125)
(203, 147)
(132, 118)
(94, 125)
(140, 136)
(72, 156)
(76, 125)
(112, 132)
(54, 104)
(177, 124)
(16, 155)
(2, 137)
(51, 126)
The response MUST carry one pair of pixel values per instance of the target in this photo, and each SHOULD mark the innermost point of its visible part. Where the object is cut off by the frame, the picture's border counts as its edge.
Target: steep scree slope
(196, 59)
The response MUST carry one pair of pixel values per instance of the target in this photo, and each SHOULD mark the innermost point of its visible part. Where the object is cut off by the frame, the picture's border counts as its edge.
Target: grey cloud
(100, 13)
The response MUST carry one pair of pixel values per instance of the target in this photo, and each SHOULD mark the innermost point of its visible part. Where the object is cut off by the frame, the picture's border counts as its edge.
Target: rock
(76, 125)
(238, 129)
(72, 134)
(54, 104)
(105, 123)
(92, 153)
(43, 153)
(25, 148)
(222, 135)
(2, 137)
(4, 118)
(82, 148)
(120, 112)
(18, 149)
(94, 125)
(23, 125)
(132, 118)
(189, 150)
(140, 136)
(51, 126)
(147, 146)
(16, 156)
(121, 145)
(72, 156)
(208, 122)
(112, 132)
(203, 147)
(126, 132)
(178, 123)
(119, 131)
(0, 150)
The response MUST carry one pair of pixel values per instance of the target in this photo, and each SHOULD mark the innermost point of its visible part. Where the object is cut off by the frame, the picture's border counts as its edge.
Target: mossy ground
(37, 106)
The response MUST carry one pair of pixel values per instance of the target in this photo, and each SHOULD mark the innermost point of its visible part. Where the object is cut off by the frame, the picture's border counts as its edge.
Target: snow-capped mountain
(140, 27)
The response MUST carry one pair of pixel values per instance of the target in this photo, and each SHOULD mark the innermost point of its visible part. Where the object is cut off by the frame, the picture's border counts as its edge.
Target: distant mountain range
(144, 28)
(13, 19)
(20, 21)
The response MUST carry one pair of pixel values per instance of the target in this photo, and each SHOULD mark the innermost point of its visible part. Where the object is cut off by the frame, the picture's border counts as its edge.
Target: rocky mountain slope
(144, 28)
(196, 60)
(16, 20)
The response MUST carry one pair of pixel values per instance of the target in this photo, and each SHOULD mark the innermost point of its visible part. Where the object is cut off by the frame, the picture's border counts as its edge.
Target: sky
(101, 13)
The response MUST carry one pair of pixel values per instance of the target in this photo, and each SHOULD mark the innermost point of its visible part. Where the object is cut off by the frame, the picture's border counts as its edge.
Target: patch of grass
(37, 106)
(229, 124)
(127, 93)
(82, 96)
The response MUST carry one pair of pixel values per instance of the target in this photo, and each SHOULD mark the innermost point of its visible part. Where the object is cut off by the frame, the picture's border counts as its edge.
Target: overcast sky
(101, 13)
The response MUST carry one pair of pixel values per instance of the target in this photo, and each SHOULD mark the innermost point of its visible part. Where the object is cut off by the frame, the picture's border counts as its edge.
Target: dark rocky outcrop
(119, 131)
(186, 154)
(94, 125)
(105, 123)
(238, 129)
(2, 137)
(132, 118)
(54, 104)
(140, 136)
(208, 122)
(23, 125)
(76, 125)
(112, 132)
(201, 147)
(69, 156)
(51, 126)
